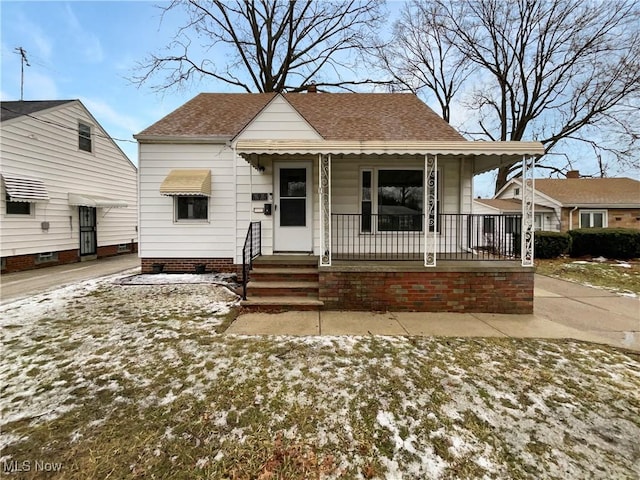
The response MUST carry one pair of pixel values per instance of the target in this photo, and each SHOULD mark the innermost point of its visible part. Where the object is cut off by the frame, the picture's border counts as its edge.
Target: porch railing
(252, 249)
(400, 237)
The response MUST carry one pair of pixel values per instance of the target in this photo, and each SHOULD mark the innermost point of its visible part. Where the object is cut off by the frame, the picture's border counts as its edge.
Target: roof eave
(600, 205)
(514, 150)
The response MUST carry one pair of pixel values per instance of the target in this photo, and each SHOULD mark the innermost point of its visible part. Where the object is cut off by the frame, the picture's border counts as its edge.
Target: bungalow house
(348, 201)
(544, 217)
(68, 192)
(564, 204)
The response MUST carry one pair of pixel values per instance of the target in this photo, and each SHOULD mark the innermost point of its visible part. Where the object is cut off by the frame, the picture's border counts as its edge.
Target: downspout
(571, 217)
(235, 202)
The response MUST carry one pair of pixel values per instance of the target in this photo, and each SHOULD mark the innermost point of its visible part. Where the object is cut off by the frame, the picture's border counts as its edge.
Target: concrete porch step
(281, 304)
(286, 261)
(303, 274)
(282, 288)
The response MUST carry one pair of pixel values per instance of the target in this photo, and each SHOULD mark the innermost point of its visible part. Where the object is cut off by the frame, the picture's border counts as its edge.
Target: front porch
(390, 225)
(295, 282)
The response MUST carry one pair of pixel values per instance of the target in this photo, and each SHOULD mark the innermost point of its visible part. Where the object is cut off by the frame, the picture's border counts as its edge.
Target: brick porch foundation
(189, 265)
(487, 289)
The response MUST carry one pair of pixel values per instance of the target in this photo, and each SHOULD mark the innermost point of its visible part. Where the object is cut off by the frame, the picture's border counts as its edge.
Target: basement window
(46, 257)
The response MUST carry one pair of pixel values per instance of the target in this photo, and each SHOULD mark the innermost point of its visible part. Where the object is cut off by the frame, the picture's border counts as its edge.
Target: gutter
(192, 139)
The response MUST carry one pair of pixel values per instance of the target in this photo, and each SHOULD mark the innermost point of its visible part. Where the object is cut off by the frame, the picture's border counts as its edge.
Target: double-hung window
(593, 218)
(84, 137)
(192, 208)
(392, 200)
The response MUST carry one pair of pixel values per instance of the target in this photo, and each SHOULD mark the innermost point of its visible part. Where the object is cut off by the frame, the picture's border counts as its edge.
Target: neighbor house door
(88, 234)
(293, 223)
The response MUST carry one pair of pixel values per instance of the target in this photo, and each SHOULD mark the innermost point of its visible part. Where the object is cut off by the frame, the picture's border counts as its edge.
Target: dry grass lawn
(618, 276)
(114, 381)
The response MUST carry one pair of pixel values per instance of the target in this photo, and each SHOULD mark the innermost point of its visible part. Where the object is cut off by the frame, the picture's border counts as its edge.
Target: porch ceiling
(486, 155)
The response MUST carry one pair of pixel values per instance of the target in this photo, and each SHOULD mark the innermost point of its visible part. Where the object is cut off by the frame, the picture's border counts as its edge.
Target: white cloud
(39, 87)
(105, 114)
(88, 43)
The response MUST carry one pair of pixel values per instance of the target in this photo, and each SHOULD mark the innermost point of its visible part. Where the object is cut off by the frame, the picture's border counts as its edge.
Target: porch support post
(431, 215)
(528, 185)
(324, 188)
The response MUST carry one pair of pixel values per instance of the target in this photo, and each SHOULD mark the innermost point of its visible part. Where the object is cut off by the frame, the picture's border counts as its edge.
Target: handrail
(252, 248)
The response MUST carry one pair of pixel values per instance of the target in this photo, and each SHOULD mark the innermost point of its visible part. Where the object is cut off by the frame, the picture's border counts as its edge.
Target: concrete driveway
(14, 286)
(561, 310)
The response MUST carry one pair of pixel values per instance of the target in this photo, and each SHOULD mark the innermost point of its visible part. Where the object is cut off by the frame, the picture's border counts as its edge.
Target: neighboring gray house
(69, 193)
(563, 204)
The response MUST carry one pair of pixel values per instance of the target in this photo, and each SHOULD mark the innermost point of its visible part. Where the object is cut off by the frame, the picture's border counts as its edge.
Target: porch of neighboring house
(380, 239)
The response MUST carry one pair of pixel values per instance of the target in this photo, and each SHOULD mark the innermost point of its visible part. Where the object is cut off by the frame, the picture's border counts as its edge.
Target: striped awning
(85, 200)
(187, 182)
(25, 189)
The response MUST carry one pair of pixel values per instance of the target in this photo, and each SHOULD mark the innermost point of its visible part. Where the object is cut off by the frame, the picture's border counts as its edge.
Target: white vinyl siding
(279, 121)
(160, 235)
(41, 149)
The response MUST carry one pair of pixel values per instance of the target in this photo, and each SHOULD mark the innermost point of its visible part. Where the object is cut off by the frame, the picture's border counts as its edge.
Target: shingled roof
(15, 109)
(335, 116)
(592, 191)
(509, 204)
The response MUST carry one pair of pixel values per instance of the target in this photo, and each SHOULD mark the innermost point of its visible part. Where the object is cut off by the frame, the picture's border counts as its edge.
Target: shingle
(17, 109)
(605, 191)
(336, 116)
(372, 116)
(509, 204)
(222, 114)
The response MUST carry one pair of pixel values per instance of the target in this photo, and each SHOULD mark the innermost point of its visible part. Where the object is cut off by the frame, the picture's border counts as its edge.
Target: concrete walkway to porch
(561, 310)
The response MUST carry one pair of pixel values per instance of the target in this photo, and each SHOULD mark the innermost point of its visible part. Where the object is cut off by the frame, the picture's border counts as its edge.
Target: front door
(88, 236)
(293, 222)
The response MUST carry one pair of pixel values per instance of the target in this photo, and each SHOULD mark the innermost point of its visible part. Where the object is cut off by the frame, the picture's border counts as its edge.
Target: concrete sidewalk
(14, 286)
(561, 310)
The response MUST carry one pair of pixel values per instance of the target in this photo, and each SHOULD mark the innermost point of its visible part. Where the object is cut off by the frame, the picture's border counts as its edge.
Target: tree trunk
(501, 180)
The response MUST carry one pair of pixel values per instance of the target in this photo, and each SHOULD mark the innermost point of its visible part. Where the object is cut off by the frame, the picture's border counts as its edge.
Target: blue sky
(88, 49)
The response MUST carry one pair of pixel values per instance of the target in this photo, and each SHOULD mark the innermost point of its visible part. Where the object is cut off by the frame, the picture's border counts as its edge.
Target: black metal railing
(252, 249)
(401, 236)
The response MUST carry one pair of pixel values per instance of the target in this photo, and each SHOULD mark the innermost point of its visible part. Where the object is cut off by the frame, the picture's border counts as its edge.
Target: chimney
(311, 88)
(573, 174)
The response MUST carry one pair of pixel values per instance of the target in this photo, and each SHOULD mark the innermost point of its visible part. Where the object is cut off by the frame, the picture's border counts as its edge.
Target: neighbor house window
(192, 208)
(512, 224)
(537, 222)
(488, 224)
(84, 137)
(17, 208)
(593, 218)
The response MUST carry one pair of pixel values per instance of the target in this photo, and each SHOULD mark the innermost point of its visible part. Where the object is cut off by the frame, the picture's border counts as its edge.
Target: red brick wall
(428, 291)
(188, 265)
(616, 217)
(20, 263)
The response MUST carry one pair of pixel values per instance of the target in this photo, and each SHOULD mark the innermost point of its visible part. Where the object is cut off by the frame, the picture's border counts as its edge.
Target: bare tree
(556, 71)
(266, 45)
(420, 57)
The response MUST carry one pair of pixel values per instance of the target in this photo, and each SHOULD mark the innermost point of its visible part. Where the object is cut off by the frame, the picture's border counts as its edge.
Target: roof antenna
(23, 60)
